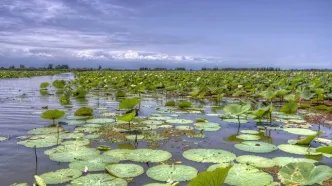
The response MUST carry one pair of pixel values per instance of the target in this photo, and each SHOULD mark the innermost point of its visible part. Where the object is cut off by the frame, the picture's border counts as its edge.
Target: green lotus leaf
(84, 111)
(299, 131)
(207, 126)
(77, 142)
(71, 155)
(210, 178)
(47, 130)
(127, 117)
(183, 127)
(297, 149)
(283, 161)
(256, 161)
(70, 135)
(325, 150)
(248, 137)
(40, 142)
(179, 121)
(219, 165)
(92, 136)
(98, 180)
(209, 155)
(59, 84)
(44, 85)
(172, 173)
(149, 155)
(60, 176)
(122, 154)
(160, 118)
(289, 108)
(256, 147)
(39, 181)
(52, 114)
(304, 173)
(236, 109)
(97, 163)
(100, 121)
(3, 139)
(153, 122)
(235, 120)
(245, 175)
(249, 131)
(103, 148)
(125, 170)
(129, 103)
(75, 122)
(64, 149)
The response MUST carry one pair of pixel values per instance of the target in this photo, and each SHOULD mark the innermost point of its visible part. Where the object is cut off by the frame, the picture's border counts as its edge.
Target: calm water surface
(21, 104)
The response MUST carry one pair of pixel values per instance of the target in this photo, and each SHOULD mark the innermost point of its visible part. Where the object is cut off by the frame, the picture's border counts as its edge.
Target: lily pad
(75, 122)
(153, 122)
(60, 176)
(256, 161)
(219, 165)
(172, 173)
(77, 142)
(246, 175)
(47, 130)
(248, 137)
(297, 149)
(179, 121)
(71, 155)
(235, 121)
(125, 170)
(207, 126)
(122, 154)
(162, 118)
(249, 132)
(299, 131)
(149, 155)
(40, 142)
(94, 164)
(283, 161)
(209, 155)
(3, 139)
(100, 120)
(134, 137)
(304, 173)
(256, 147)
(184, 127)
(98, 180)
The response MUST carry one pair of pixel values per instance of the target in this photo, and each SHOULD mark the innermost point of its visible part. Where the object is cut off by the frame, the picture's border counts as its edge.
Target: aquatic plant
(44, 85)
(210, 178)
(120, 94)
(80, 92)
(53, 114)
(170, 103)
(84, 111)
(59, 84)
(64, 100)
(184, 104)
(172, 172)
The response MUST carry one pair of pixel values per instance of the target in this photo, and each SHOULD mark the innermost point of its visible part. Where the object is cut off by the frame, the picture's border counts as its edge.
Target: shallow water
(20, 109)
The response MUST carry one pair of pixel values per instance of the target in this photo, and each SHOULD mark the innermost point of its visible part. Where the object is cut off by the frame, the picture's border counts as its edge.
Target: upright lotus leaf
(237, 109)
(80, 92)
(256, 147)
(59, 84)
(307, 94)
(94, 164)
(245, 175)
(127, 117)
(60, 176)
(308, 139)
(172, 172)
(125, 170)
(292, 98)
(129, 103)
(210, 178)
(283, 161)
(304, 173)
(184, 104)
(39, 181)
(149, 155)
(53, 114)
(289, 108)
(98, 180)
(299, 131)
(84, 111)
(297, 149)
(64, 100)
(256, 161)
(44, 85)
(325, 150)
(71, 155)
(269, 94)
(209, 155)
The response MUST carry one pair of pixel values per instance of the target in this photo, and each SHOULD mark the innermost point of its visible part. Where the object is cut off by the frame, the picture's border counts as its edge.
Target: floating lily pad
(75, 122)
(77, 142)
(71, 155)
(94, 164)
(283, 161)
(100, 120)
(256, 161)
(172, 172)
(77, 117)
(299, 131)
(219, 165)
(158, 184)
(209, 155)
(125, 170)
(304, 173)
(134, 137)
(92, 136)
(63, 149)
(183, 127)
(60, 176)
(98, 180)
(153, 122)
(248, 137)
(207, 126)
(47, 130)
(249, 132)
(235, 121)
(92, 125)
(3, 139)
(149, 155)
(256, 147)
(297, 149)
(162, 118)
(179, 121)
(71, 135)
(86, 129)
(122, 154)
(40, 142)
(246, 175)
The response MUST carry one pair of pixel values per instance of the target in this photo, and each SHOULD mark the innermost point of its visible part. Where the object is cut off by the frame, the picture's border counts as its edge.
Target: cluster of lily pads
(27, 73)
(271, 105)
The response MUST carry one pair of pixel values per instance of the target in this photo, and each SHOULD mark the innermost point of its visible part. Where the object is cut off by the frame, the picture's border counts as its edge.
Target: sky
(167, 33)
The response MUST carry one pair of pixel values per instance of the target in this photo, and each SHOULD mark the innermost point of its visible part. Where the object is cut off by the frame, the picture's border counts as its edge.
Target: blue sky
(167, 33)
